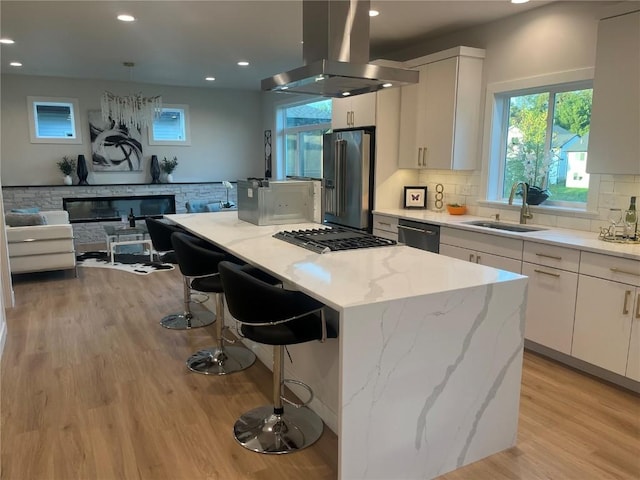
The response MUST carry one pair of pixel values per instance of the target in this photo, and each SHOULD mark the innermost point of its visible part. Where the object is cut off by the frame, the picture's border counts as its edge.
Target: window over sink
(539, 134)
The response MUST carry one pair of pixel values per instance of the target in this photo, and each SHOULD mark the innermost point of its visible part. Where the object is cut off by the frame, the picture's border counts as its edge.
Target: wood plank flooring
(93, 388)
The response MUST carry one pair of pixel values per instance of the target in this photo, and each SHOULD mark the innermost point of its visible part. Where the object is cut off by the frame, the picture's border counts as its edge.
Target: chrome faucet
(524, 211)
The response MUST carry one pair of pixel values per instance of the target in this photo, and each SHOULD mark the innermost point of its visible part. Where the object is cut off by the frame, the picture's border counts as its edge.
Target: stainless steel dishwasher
(424, 236)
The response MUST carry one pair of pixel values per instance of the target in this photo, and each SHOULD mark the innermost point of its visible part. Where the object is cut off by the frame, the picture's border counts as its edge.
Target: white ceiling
(181, 42)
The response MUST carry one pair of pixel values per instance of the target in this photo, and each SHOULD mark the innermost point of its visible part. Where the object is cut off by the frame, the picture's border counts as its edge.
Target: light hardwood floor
(93, 388)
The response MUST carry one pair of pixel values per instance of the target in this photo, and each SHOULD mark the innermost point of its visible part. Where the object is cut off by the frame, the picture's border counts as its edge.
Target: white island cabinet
(424, 376)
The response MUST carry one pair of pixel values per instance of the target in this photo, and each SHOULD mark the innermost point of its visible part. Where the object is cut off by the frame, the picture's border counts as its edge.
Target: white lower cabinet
(482, 248)
(482, 258)
(550, 306)
(604, 317)
(385, 226)
(606, 331)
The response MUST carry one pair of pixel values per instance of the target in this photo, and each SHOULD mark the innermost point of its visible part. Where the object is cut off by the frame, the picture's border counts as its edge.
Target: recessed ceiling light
(243, 63)
(210, 79)
(126, 18)
(15, 64)
(374, 13)
(6, 41)
(519, 1)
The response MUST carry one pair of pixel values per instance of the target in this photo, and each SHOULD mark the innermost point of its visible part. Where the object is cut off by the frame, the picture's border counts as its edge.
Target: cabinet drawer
(388, 224)
(482, 242)
(385, 234)
(551, 256)
(618, 269)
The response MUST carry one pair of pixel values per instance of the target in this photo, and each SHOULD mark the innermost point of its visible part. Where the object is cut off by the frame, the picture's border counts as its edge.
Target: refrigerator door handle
(341, 166)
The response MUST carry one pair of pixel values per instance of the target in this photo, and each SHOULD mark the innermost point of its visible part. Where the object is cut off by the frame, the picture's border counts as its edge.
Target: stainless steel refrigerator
(347, 178)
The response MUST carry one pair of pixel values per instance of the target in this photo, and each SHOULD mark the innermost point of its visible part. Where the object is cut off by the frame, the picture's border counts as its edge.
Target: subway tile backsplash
(464, 188)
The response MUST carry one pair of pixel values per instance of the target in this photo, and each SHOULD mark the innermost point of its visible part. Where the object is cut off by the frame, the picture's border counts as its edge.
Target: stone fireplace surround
(49, 197)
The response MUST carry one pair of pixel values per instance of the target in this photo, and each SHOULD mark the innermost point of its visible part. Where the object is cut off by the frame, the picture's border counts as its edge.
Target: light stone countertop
(587, 241)
(345, 278)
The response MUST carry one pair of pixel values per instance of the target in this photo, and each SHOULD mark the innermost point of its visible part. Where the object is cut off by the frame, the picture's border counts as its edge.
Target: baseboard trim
(583, 366)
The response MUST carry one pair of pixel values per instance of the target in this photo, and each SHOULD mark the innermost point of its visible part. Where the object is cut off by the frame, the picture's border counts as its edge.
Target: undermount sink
(503, 226)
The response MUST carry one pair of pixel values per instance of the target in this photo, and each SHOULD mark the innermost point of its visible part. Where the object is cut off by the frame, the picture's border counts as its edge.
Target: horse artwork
(114, 148)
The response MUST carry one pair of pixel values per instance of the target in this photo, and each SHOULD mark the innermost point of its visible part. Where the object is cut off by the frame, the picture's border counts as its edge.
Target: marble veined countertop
(563, 237)
(345, 278)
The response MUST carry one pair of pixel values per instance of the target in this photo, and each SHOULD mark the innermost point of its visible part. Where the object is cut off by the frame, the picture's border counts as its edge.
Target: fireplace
(112, 209)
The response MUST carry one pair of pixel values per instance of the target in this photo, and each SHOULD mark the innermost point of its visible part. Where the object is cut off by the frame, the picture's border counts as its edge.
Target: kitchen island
(425, 374)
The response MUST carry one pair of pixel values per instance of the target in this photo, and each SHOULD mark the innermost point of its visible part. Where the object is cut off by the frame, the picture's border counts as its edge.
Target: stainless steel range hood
(336, 54)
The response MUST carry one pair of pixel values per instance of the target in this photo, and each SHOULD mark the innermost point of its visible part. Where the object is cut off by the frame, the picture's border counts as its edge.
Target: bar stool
(160, 234)
(278, 317)
(200, 265)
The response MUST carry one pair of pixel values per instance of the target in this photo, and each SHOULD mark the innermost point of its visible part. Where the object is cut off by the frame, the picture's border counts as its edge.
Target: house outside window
(541, 137)
(303, 127)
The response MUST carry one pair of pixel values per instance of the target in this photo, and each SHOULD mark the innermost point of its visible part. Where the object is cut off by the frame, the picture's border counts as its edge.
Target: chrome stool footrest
(300, 384)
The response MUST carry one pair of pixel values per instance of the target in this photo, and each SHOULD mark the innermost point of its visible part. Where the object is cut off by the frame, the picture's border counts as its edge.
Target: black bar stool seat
(278, 317)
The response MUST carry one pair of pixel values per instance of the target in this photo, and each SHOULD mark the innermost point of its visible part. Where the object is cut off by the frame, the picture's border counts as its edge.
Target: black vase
(82, 171)
(155, 169)
(536, 195)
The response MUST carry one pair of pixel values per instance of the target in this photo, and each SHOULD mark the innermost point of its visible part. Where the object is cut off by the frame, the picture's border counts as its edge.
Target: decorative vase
(536, 195)
(155, 169)
(67, 180)
(82, 171)
(169, 178)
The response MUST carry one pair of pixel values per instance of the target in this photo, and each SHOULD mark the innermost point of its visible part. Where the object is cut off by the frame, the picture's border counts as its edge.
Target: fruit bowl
(455, 209)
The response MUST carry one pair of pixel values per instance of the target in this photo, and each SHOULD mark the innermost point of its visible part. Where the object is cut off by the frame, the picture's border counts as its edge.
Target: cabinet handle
(625, 307)
(384, 223)
(477, 258)
(471, 257)
(557, 275)
(419, 156)
(424, 157)
(620, 270)
(548, 256)
(638, 306)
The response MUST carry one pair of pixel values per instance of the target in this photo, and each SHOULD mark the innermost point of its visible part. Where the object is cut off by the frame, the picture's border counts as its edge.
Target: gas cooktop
(324, 240)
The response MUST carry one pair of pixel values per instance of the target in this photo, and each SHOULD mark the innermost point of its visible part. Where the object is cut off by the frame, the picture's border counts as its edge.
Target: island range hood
(336, 54)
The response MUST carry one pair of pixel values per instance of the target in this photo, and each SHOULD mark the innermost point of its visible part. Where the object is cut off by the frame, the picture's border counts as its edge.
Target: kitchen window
(540, 135)
(303, 127)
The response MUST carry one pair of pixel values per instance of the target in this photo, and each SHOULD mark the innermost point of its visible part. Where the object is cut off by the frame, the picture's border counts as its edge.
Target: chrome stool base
(216, 361)
(263, 431)
(180, 321)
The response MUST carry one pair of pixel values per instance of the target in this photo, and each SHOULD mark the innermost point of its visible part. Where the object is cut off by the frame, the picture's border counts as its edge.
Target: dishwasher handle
(420, 230)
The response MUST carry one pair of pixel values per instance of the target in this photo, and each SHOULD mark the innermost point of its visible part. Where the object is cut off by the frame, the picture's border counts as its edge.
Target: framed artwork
(113, 147)
(415, 197)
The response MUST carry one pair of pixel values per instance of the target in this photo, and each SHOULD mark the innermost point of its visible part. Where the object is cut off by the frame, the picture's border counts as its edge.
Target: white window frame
(281, 121)
(186, 128)
(494, 119)
(32, 104)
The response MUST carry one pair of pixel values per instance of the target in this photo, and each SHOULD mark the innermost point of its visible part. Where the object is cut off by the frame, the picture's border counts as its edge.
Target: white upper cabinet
(440, 116)
(351, 112)
(614, 140)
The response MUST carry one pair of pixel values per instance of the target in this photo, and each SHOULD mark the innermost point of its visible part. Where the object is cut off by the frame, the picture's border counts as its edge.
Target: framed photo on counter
(415, 197)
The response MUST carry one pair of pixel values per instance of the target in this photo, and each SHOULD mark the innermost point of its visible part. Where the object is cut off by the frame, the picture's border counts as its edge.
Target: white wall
(226, 132)
(553, 38)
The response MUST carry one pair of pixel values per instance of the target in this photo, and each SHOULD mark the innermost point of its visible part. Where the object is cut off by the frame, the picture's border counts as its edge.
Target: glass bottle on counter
(631, 219)
(132, 219)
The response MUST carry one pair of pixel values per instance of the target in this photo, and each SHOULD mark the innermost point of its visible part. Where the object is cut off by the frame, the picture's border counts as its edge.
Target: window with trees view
(545, 135)
(304, 125)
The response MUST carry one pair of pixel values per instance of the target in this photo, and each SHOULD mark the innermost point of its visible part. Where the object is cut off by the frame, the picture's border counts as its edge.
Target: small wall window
(171, 127)
(53, 120)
